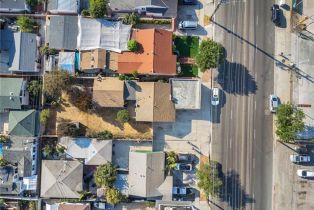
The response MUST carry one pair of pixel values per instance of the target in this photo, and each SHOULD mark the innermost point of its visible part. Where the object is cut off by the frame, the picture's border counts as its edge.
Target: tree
(104, 135)
(208, 179)
(98, 8)
(113, 196)
(84, 195)
(68, 129)
(289, 122)
(26, 24)
(44, 115)
(55, 82)
(45, 50)
(131, 19)
(171, 158)
(80, 98)
(123, 116)
(34, 87)
(60, 149)
(105, 175)
(133, 45)
(210, 55)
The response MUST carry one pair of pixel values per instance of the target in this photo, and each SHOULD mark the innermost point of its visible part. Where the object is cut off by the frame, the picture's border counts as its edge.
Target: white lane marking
(255, 105)
(253, 162)
(254, 133)
(230, 143)
(256, 20)
(231, 114)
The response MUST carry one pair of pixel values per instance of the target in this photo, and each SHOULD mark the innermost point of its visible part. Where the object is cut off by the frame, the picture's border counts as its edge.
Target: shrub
(3, 162)
(32, 205)
(171, 159)
(210, 55)
(131, 19)
(105, 175)
(98, 8)
(60, 149)
(123, 116)
(155, 21)
(127, 76)
(34, 87)
(68, 129)
(113, 196)
(26, 24)
(48, 150)
(133, 45)
(3, 139)
(45, 50)
(104, 135)
(85, 13)
(44, 115)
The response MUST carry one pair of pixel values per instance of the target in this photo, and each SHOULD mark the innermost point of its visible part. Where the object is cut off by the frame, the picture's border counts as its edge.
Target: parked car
(182, 191)
(305, 173)
(187, 25)
(189, 2)
(273, 103)
(183, 167)
(300, 158)
(215, 96)
(179, 190)
(188, 158)
(275, 14)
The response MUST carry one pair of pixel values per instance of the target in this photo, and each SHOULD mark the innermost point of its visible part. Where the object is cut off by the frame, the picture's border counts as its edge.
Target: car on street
(305, 173)
(184, 167)
(273, 103)
(275, 14)
(300, 158)
(215, 96)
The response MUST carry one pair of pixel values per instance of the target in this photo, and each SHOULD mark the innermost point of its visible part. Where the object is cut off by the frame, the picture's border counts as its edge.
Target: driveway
(192, 13)
(191, 131)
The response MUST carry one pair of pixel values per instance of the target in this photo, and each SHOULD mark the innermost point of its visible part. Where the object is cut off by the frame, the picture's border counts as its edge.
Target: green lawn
(187, 45)
(188, 70)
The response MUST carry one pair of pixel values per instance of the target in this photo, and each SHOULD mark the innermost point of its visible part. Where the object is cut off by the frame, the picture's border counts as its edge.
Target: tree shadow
(232, 192)
(235, 78)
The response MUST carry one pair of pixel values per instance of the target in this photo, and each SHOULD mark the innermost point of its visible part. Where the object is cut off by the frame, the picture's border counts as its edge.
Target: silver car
(305, 173)
(215, 97)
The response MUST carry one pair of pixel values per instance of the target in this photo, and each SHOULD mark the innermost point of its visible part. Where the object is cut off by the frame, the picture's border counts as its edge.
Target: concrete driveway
(190, 133)
(192, 13)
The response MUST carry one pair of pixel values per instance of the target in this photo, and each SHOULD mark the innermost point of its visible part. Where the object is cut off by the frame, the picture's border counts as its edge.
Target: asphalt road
(242, 124)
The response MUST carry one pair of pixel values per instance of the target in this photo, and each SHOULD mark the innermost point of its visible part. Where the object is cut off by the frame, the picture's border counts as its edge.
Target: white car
(215, 96)
(273, 103)
(300, 158)
(305, 173)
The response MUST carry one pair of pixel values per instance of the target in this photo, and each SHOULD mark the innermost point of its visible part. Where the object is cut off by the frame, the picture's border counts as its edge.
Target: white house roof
(101, 33)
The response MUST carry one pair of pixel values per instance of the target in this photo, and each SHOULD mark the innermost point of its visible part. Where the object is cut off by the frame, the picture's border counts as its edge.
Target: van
(187, 25)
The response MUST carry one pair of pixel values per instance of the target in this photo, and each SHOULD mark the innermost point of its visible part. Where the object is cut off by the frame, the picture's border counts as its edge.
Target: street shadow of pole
(234, 78)
(233, 193)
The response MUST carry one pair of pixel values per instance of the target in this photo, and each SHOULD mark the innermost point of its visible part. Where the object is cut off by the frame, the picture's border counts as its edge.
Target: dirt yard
(104, 119)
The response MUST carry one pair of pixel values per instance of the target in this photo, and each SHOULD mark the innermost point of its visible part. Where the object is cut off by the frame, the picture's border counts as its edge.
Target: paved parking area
(191, 131)
(192, 13)
(291, 191)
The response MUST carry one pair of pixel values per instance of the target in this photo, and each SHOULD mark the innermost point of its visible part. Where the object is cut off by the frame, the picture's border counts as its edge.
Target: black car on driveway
(275, 14)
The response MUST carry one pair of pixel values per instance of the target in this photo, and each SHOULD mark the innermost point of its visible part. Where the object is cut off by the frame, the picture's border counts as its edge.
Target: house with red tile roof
(154, 56)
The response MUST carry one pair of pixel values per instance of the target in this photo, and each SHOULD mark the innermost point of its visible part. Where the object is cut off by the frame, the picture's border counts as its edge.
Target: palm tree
(171, 158)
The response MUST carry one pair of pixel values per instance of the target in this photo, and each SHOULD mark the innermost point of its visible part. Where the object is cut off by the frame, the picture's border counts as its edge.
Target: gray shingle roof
(169, 9)
(14, 6)
(24, 123)
(130, 90)
(146, 168)
(19, 51)
(65, 6)
(62, 32)
(10, 90)
(61, 179)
